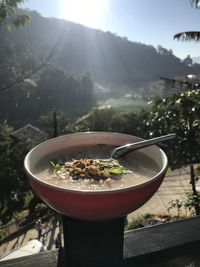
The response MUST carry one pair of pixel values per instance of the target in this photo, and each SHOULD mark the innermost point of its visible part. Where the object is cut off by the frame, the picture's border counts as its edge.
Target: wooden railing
(173, 244)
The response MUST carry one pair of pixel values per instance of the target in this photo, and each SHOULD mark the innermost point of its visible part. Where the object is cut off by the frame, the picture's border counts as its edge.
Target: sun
(86, 12)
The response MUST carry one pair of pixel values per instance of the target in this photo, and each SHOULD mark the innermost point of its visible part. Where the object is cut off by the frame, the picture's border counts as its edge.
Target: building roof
(30, 133)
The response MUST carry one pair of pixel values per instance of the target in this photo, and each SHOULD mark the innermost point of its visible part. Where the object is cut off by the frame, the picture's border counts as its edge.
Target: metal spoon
(120, 151)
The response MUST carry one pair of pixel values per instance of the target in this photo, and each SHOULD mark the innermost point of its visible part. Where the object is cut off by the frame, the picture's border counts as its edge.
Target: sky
(151, 22)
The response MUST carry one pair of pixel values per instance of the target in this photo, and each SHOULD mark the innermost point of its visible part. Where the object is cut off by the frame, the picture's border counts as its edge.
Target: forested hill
(110, 59)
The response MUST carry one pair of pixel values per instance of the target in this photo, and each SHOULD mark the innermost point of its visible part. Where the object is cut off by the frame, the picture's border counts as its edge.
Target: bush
(136, 223)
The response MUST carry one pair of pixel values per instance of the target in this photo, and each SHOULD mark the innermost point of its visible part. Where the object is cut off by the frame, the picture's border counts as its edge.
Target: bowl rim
(96, 192)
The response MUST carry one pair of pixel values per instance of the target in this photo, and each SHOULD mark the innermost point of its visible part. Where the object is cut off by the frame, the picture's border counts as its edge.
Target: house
(29, 133)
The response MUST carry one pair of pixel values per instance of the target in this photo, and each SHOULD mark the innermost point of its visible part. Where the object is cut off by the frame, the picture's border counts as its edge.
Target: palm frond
(195, 3)
(188, 36)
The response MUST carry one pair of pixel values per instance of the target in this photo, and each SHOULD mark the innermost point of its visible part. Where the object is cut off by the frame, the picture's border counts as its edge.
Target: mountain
(111, 60)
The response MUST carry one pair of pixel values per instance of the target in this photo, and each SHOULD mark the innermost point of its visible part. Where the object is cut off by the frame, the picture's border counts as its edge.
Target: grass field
(125, 103)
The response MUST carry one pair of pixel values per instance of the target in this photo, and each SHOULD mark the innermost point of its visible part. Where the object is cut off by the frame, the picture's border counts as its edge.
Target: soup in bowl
(74, 175)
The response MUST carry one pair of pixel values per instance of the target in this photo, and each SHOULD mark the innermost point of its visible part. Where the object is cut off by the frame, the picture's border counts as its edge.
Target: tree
(14, 185)
(87, 91)
(179, 113)
(110, 119)
(163, 51)
(187, 61)
(54, 123)
(68, 93)
(98, 119)
(9, 15)
(192, 124)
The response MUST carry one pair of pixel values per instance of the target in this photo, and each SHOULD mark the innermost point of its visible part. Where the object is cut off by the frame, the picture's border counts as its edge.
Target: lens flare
(86, 12)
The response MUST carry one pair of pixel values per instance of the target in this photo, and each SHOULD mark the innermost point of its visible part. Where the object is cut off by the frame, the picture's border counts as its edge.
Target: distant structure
(191, 81)
(29, 133)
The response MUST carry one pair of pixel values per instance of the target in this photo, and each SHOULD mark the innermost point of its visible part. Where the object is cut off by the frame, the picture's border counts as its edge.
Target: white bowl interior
(78, 146)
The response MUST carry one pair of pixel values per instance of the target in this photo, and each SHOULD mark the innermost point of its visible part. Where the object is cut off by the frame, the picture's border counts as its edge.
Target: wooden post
(93, 244)
(55, 124)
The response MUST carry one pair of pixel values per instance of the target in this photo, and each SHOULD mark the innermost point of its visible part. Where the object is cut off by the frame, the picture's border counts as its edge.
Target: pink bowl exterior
(93, 206)
(96, 207)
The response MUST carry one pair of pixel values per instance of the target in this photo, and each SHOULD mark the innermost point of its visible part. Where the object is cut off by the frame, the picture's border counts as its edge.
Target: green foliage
(46, 123)
(146, 220)
(110, 119)
(187, 204)
(9, 16)
(99, 119)
(50, 89)
(178, 114)
(191, 201)
(15, 61)
(67, 93)
(14, 184)
(56, 167)
(130, 123)
(136, 223)
(176, 204)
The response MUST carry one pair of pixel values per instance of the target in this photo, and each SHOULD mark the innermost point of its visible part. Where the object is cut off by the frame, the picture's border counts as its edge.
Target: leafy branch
(30, 74)
(9, 16)
(195, 3)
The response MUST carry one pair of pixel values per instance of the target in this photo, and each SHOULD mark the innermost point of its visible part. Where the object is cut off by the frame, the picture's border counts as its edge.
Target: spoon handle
(123, 150)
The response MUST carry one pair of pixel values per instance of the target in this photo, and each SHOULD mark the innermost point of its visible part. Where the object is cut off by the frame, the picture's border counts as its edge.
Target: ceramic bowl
(94, 205)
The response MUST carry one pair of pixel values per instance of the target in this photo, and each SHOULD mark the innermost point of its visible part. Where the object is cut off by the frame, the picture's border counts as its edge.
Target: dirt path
(174, 186)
